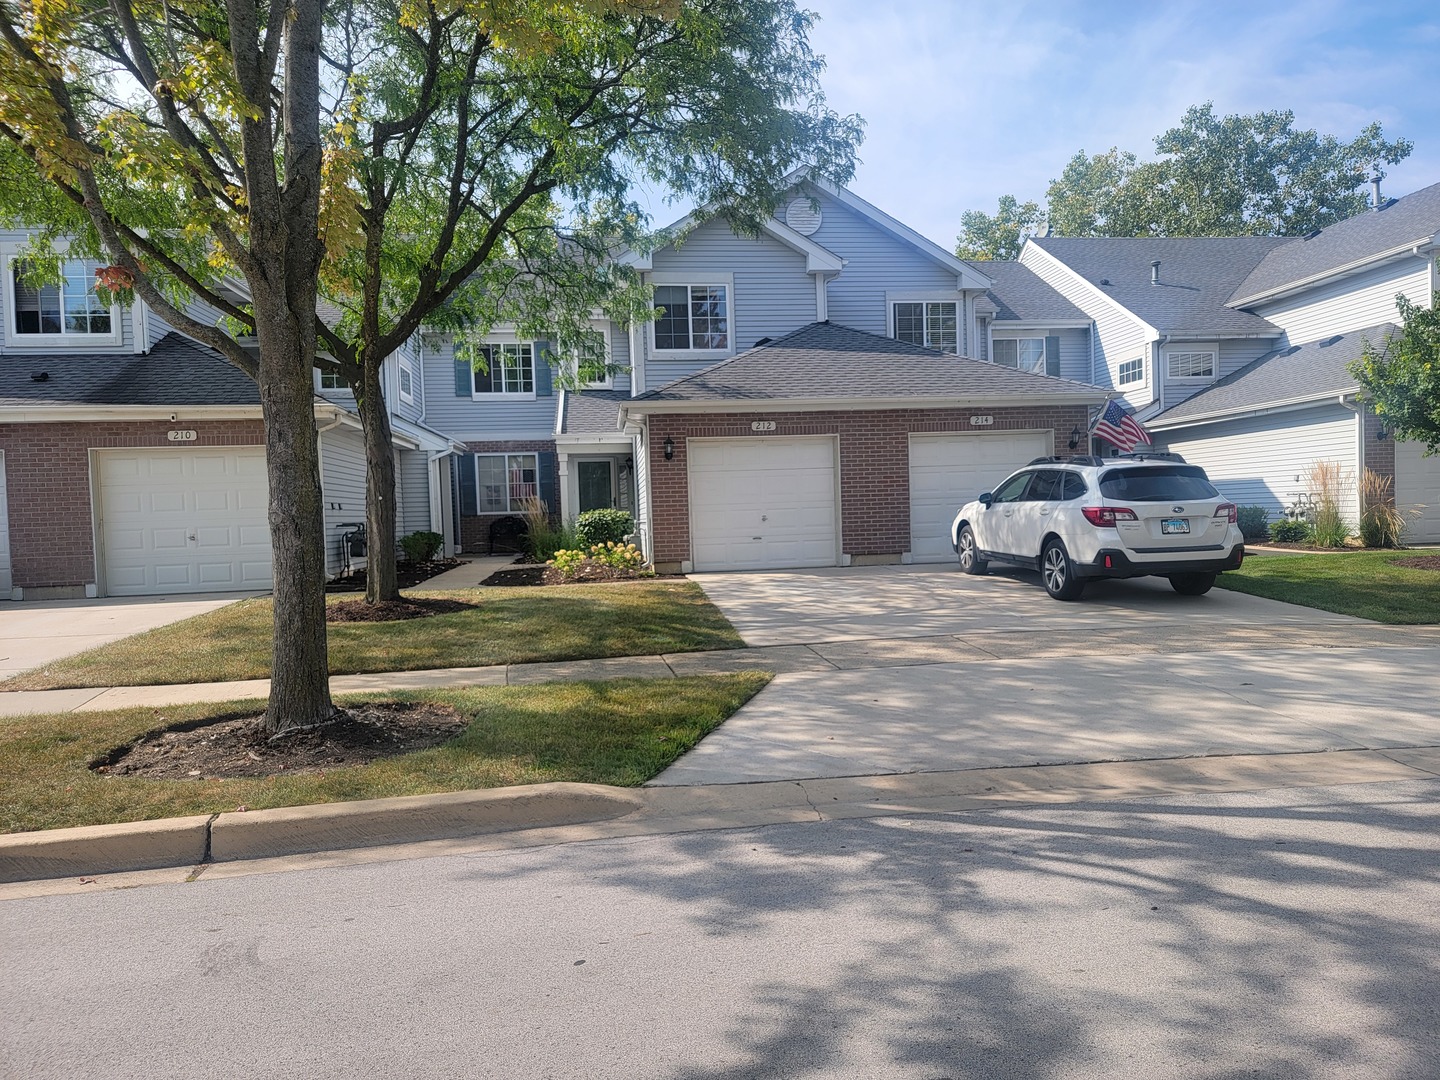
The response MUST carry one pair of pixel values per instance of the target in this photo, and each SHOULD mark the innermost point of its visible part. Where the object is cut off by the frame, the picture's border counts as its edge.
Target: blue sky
(967, 101)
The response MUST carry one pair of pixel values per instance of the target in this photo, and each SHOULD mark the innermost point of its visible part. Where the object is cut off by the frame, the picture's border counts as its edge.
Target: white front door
(174, 521)
(947, 471)
(1417, 488)
(5, 579)
(763, 503)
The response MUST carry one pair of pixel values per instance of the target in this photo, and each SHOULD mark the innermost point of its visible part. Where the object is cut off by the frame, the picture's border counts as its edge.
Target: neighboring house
(132, 459)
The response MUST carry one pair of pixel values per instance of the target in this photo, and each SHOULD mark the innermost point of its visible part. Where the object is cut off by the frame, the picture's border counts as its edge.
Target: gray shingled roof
(825, 360)
(1197, 277)
(177, 371)
(1021, 295)
(1290, 374)
(592, 412)
(1412, 219)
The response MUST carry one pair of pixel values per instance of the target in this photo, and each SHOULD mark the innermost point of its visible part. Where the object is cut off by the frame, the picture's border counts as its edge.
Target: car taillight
(1228, 512)
(1106, 516)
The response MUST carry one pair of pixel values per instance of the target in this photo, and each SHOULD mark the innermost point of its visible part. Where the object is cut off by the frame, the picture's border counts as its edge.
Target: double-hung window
(501, 368)
(592, 361)
(932, 324)
(333, 380)
(504, 481)
(407, 382)
(693, 318)
(1196, 362)
(1023, 354)
(68, 308)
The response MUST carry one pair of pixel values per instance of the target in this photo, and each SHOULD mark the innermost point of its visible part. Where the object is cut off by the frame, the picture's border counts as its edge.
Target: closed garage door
(175, 521)
(762, 504)
(947, 471)
(1417, 486)
(4, 535)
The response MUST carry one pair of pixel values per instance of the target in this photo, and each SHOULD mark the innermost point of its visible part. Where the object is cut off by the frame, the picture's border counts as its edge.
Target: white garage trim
(948, 469)
(764, 503)
(180, 520)
(5, 577)
(1417, 487)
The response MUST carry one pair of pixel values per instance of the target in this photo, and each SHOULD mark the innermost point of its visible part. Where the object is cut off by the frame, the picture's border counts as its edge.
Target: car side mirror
(986, 498)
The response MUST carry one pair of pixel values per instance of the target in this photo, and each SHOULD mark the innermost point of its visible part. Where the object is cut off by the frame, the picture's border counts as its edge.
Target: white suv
(1089, 517)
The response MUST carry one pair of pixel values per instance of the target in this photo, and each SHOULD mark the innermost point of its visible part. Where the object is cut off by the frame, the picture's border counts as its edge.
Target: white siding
(342, 484)
(1233, 355)
(1417, 492)
(1264, 460)
(1352, 303)
(413, 479)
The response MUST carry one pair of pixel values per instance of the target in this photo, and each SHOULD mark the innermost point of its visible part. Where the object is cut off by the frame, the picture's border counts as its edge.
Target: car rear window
(1157, 483)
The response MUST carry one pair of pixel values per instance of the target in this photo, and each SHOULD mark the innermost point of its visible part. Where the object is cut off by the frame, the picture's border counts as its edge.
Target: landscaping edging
(297, 830)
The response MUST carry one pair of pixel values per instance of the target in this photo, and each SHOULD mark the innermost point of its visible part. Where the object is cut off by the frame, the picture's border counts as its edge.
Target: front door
(596, 480)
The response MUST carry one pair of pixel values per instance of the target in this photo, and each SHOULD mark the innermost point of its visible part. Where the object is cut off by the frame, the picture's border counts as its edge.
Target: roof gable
(1021, 295)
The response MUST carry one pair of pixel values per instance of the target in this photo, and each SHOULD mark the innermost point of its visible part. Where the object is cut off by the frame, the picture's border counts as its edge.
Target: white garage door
(947, 471)
(176, 521)
(4, 535)
(1417, 485)
(762, 504)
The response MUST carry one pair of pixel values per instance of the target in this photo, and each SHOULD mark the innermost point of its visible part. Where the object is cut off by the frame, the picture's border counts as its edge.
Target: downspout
(1160, 369)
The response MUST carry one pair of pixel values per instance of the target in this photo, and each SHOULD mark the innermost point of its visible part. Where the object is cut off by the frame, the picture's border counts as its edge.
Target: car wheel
(970, 560)
(1192, 584)
(1058, 573)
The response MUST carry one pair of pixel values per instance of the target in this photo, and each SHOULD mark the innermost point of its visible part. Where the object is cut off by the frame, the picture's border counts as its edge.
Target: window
(1074, 486)
(333, 380)
(1165, 483)
(592, 359)
(692, 317)
(1132, 371)
(407, 382)
(504, 481)
(500, 368)
(71, 307)
(1196, 364)
(1047, 487)
(1013, 489)
(1025, 354)
(931, 324)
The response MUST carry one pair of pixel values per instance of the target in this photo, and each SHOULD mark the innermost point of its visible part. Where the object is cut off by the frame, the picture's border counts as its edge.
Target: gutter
(1288, 405)
(640, 407)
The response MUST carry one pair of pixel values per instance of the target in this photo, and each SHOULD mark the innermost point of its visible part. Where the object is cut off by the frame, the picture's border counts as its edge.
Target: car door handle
(1044, 510)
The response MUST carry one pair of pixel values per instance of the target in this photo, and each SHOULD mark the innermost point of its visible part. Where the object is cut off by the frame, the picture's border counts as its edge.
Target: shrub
(1328, 483)
(1289, 531)
(544, 536)
(568, 561)
(572, 561)
(421, 546)
(602, 527)
(1252, 521)
(1381, 522)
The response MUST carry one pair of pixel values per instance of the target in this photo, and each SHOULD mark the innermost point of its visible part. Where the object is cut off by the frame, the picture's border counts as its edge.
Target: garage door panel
(947, 471)
(167, 502)
(1417, 491)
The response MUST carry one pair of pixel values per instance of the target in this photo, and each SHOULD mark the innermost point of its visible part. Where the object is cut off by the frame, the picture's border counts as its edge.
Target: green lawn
(510, 626)
(621, 732)
(1363, 583)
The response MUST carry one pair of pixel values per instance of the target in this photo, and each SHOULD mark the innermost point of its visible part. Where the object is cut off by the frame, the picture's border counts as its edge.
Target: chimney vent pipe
(1155, 272)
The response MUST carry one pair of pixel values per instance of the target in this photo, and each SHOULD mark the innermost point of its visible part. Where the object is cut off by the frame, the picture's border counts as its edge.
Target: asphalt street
(1277, 934)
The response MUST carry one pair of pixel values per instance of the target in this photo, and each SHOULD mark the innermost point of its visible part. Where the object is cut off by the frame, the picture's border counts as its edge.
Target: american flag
(1119, 427)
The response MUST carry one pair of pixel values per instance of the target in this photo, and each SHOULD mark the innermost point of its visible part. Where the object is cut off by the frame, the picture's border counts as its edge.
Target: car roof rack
(1151, 455)
(1073, 459)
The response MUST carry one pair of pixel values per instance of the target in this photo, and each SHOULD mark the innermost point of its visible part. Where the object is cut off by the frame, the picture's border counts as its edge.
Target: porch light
(1381, 434)
(1075, 434)
(669, 445)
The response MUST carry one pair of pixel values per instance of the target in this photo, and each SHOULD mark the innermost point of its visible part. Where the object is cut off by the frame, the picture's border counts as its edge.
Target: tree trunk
(380, 579)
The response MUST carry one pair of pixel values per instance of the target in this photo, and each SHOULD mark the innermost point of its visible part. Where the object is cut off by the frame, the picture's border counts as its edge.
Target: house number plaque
(178, 435)
(981, 421)
(762, 425)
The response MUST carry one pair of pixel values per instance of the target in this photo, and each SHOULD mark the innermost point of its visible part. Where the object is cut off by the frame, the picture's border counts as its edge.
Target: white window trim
(505, 456)
(701, 279)
(931, 296)
(1132, 382)
(405, 367)
(321, 388)
(500, 338)
(1211, 347)
(17, 340)
(1044, 359)
(608, 383)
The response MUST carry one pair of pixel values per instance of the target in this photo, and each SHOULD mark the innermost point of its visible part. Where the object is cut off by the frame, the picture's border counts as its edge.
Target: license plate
(1172, 526)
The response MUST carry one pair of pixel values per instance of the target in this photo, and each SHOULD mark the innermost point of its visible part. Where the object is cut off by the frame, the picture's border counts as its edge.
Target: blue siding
(411, 412)
(466, 419)
(1074, 347)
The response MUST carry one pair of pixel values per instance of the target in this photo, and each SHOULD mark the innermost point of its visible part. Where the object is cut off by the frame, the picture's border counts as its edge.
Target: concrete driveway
(935, 671)
(34, 633)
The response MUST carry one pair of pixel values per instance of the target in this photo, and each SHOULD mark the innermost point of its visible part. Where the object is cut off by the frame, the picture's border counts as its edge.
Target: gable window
(500, 368)
(69, 308)
(692, 317)
(407, 382)
(1023, 354)
(1190, 364)
(504, 481)
(333, 380)
(930, 324)
(1132, 371)
(592, 360)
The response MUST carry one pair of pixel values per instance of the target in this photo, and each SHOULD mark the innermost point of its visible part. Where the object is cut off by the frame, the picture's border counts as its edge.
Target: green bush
(1289, 532)
(421, 546)
(617, 556)
(1253, 522)
(602, 527)
(1381, 521)
(546, 538)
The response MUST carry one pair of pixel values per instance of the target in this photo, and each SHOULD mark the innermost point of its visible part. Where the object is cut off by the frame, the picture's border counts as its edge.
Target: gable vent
(802, 216)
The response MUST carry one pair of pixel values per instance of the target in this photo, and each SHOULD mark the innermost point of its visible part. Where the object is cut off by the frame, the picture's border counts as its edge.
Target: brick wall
(47, 474)
(874, 464)
(1379, 453)
(475, 531)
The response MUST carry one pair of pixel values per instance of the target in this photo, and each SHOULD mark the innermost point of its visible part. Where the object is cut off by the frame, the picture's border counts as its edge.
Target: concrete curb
(104, 849)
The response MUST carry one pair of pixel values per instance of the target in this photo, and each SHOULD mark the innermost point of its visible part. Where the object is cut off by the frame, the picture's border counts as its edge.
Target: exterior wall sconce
(1074, 437)
(1381, 434)
(669, 445)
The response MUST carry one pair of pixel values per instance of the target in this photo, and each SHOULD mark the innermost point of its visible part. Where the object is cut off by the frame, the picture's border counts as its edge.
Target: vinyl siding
(409, 411)
(1264, 460)
(1233, 355)
(413, 478)
(468, 420)
(342, 484)
(1352, 303)
(1074, 347)
(620, 354)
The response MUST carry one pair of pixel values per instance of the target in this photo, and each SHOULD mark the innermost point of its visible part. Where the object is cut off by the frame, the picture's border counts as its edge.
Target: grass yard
(510, 626)
(1367, 584)
(621, 732)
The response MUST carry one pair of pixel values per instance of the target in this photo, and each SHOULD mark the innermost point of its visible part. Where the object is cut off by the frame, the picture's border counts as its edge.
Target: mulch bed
(540, 574)
(418, 607)
(237, 746)
(1420, 562)
(407, 574)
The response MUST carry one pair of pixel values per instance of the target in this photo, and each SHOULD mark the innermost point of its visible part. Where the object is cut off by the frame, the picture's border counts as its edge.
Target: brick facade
(1379, 453)
(874, 464)
(47, 474)
(475, 531)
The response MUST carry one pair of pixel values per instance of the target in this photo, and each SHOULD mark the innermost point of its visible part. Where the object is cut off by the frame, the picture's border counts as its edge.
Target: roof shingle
(591, 412)
(1021, 295)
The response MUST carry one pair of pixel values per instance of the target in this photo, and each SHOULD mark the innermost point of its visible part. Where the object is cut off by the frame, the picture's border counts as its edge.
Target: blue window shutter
(549, 469)
(469, 507)
(1052, 356)
(544, 384)
(464, 379)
